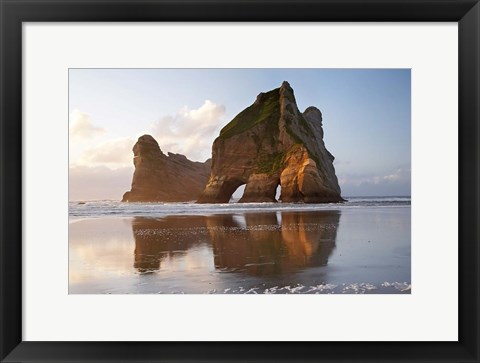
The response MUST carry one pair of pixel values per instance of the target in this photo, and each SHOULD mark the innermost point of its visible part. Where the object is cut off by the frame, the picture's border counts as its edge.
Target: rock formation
(272, 143)
(162, 178)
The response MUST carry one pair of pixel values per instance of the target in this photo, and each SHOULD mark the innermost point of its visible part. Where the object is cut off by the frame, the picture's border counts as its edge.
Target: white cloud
(82, 128)
(397, 182)
(396, 175)
(115, 153)
(190, 132)
(97, 183)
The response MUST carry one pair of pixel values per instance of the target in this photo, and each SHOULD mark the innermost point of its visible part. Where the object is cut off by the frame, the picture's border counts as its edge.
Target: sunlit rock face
(272, 143)
(162, 178)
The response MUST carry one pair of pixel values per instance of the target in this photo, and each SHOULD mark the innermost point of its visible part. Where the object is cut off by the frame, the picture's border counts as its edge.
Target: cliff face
(162, 178)
(272, 143)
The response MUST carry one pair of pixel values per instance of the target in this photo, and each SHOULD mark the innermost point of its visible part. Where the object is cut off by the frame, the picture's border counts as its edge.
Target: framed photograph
(241, 181)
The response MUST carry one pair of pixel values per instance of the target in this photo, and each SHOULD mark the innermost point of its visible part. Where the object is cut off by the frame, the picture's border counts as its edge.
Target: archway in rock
(278, 192)
(237, 194)
(228, 188)
(260, 188)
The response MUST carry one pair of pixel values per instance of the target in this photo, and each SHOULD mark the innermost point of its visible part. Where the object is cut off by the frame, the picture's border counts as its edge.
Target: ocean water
(358, 247)
(103, 208)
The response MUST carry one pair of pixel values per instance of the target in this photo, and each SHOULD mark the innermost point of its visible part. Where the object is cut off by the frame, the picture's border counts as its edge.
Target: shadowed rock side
(272, 143)
(162, 178)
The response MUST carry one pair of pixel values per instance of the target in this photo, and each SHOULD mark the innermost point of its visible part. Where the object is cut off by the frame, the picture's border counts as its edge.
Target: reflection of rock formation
(272, 143)
(255, 243)
(310, 236)
(265, 247)
(157, 239)
(162, 178)
(255, 247)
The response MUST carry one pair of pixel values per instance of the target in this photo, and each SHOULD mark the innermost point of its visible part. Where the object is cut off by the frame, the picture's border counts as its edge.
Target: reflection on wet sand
(258, 244)
(157, 239)
(311, 237)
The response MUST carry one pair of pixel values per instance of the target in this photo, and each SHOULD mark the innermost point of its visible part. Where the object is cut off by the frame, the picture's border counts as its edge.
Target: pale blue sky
(366, 114)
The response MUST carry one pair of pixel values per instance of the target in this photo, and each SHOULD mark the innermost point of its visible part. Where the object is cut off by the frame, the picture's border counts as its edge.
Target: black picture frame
(14, 12)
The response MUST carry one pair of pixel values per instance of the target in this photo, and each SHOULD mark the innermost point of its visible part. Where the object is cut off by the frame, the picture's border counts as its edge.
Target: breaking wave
(104, 208)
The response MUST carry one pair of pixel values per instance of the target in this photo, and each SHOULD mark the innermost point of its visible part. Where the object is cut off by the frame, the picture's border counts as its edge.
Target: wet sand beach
(343, 250)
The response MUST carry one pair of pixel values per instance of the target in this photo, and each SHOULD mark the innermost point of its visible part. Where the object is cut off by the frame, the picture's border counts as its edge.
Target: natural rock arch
(272, 143)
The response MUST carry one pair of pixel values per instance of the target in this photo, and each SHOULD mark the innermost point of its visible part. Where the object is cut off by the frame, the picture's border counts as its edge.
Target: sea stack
(162, 178)
(272, 143)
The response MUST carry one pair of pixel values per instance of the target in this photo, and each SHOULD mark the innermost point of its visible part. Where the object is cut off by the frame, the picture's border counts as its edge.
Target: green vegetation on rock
(269, 164)
(268, 108)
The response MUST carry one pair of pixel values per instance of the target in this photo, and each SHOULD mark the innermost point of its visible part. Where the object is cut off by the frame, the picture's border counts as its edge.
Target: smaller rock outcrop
(162, 178)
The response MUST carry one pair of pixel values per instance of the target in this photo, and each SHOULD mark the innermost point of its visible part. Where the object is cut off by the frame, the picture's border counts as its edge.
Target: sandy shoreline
(363, 250)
